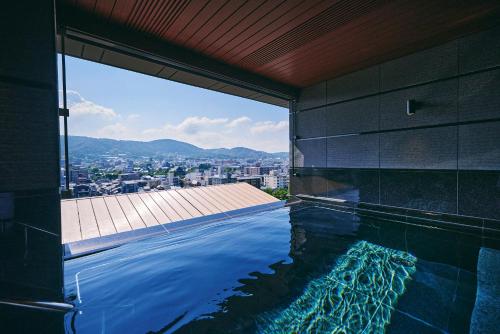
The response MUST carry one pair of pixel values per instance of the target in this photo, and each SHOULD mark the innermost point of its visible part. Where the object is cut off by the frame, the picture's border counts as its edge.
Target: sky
(107, 102)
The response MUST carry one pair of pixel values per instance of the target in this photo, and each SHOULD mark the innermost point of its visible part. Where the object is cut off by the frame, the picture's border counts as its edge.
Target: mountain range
(87, 146)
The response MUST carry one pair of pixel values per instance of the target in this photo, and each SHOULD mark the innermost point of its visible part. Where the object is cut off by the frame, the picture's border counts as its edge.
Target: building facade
(275, 180)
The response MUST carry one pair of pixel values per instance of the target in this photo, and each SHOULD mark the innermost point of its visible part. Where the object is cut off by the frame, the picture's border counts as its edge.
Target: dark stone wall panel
(358, 151)
(34, 260)
(435, 104)
(353, 185)
(479, 96)
(30, 206)
(360, 83)
(432, 148)
(375, 154)
(22, 38)
(308, 181)
(423, 190)
(479, 146)
(311, 123)
(480, 51)
(310, 153)
(427, 65)
(29, 144)
(479, 194)
(352, 117)
(313, 96)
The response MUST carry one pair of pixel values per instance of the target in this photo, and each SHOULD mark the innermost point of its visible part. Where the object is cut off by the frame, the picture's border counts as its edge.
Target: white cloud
(79, 106)
(238, 121)
(193, 125)
(269, 126)
(202, 131)
(222, 132)
(189, 126)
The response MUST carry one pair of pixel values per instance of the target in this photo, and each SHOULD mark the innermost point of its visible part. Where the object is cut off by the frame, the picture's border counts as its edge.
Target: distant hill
(87, 146)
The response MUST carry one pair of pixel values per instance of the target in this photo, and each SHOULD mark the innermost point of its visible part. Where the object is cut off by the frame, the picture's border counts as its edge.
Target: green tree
(229, 170)
(279, 193)
(161, 171)
(111, 176)
(204, 166)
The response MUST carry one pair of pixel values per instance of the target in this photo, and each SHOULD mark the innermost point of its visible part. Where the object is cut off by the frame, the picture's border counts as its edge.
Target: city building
(266, 170)
(172, 180)
(218, 179)
(83, 190)
(129, 187)
(255, 181)
(129, 176)
(78, 174)
(251, 170)
(275, 180)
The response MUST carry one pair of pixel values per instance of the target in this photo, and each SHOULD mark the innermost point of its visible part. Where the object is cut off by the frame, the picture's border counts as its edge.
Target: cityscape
(100, 167)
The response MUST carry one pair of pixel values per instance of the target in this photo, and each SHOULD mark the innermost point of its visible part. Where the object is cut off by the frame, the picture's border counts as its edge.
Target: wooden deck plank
(250, 190)
(212, 199)
(130, 212)
(88, 223)
(199, 206)
(182, 201)
(167, 196)
(142, 210)
(262, 194)
(116, 212)
(249, 198)
(225, 190)
(103, 218)
(165, 206)
(203, 200)
(228, 203)
(160, 216)
(226, 193)
(229, 199)
(70, 222)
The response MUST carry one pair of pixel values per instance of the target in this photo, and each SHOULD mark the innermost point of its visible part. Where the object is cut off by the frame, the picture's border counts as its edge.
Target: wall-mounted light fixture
(411, 107)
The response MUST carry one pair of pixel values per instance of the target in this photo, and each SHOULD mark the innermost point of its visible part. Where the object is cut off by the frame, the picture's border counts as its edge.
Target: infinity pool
(299, 269)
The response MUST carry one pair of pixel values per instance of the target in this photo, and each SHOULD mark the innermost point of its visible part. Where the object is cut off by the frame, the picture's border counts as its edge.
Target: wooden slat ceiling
(297, 42)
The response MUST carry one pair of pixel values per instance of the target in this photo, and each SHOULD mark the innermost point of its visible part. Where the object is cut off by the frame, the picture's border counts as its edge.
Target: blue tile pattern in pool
(357, 296)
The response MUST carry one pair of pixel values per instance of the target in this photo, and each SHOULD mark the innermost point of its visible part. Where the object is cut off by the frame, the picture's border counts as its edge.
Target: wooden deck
(110, 216)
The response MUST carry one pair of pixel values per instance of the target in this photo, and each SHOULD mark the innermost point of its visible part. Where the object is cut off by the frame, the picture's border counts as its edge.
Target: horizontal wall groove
(458, 76)
(419, 215)
(489, 120)
(323, 171)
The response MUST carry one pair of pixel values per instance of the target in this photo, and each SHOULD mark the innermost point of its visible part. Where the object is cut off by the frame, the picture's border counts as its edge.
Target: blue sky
(107, 102)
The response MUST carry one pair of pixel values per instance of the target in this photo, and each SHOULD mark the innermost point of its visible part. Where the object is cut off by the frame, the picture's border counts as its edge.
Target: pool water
(356, 296)
(298, 269)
